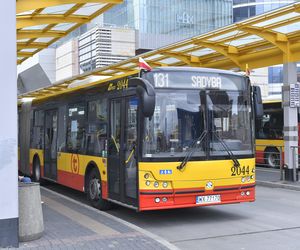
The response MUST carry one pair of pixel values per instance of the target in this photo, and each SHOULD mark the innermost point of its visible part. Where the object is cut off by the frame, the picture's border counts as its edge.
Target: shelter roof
(268, 39)
(40, 23)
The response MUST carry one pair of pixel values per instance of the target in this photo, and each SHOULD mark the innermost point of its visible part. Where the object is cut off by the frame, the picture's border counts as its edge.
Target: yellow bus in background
(175, 137)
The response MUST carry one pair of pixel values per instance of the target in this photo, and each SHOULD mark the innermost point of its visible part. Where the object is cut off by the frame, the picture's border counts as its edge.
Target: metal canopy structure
(42, 22)
(265, 40)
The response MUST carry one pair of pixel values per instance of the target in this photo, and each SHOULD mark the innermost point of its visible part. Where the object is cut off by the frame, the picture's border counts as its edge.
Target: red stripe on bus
(104, 189)
(147, 202)
(71, 180)
(260, 156)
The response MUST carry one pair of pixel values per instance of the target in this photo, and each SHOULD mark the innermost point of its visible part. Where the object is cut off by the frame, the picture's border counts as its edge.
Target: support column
(8, 129)
(290, 116)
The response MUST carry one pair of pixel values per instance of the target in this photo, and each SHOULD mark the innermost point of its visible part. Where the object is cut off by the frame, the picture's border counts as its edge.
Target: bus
(269, 135)
(172, 137)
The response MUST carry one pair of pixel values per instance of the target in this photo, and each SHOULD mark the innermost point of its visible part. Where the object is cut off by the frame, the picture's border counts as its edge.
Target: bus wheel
(37, 170)
(272, 158)
(94, 191)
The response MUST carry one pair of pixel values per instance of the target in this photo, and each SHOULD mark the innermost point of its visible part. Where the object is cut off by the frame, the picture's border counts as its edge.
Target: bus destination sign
(196, 80)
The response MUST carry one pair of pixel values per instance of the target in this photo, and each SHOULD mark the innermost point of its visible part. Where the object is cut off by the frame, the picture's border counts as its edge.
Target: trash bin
(31, 224)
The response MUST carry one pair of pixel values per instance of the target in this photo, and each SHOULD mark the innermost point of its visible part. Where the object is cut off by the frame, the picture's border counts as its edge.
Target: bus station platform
(271, 178)
(70, 224)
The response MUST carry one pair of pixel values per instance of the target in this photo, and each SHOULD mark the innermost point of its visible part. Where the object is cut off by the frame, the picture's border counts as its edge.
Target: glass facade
(243, 9)
(163, 22)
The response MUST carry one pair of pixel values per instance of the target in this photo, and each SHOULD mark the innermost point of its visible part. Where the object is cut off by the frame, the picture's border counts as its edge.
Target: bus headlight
(146, 176)
(156, 184)
(247, 193)
(157, 200)
(243, 179)
(165, 184)
(242, 193)
(147, 183)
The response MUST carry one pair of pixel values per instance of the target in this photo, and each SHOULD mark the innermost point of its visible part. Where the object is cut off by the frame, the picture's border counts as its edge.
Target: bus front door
(122, 165)
(50, 154)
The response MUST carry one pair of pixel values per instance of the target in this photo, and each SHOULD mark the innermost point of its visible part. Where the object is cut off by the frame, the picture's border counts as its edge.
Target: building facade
(102, 46)
(159, 23)
(243, 9)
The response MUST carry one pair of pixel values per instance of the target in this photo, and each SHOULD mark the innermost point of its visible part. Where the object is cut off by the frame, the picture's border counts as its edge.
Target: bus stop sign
(294, 95)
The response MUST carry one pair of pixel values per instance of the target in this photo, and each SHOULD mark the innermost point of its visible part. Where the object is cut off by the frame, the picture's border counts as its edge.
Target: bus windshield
(181, 116)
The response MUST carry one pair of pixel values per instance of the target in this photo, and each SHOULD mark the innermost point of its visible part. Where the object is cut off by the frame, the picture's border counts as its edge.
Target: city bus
(269, 134)
(172, 137)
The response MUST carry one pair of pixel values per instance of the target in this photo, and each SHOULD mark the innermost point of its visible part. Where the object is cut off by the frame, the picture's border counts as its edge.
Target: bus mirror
(146, 94)
(257, 102)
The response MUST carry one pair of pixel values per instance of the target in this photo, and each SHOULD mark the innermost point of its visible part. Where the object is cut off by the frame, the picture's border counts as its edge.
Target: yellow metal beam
(27, 5)
(230, 52)
(280, 40)
(29, 34)
(22, 45)
(27, 21)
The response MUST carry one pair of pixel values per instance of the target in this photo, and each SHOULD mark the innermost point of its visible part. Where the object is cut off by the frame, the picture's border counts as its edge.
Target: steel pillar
(290, 116)
(8, 128)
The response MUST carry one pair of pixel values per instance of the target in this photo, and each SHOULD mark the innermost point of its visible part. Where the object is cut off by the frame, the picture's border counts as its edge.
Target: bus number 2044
(240, 170)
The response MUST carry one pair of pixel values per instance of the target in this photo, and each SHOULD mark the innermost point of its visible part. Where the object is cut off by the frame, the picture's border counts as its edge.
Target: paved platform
(72, 225)
(271, 178)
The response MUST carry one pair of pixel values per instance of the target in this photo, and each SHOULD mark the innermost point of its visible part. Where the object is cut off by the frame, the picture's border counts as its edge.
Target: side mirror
(146, 94)
(257, 102)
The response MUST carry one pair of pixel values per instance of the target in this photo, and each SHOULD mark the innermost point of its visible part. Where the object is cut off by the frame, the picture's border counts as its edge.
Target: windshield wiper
(193, 146)
(229, 152)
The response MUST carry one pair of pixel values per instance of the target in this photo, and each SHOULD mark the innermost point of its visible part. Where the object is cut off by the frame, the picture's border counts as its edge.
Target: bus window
(97, 127)
(76, 128)
(37, 138)
(176, 123)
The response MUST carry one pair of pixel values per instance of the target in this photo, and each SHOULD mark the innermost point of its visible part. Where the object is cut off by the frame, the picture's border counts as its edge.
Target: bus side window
(96, 127)
(76, 128)
(37, 136)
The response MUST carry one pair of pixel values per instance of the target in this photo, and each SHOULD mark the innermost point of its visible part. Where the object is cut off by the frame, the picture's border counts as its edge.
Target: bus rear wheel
(272, 158)
(36, 170)
(94, 193)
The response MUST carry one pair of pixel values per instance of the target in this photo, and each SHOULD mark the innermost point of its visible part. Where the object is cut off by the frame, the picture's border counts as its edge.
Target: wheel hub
(95, 189)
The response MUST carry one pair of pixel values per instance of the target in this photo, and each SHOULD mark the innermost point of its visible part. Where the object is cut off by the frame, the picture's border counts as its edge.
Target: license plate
(208, 199)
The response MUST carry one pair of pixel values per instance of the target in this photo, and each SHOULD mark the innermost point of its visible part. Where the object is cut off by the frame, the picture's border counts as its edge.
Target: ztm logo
(75, 164)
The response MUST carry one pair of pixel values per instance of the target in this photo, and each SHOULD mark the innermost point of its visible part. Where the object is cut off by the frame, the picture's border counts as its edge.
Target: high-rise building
(159, 23)
(243, 9)
(102, 46)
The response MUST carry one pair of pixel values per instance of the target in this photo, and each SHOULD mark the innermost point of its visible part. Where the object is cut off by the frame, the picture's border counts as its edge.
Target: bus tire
(272, 158)
(36, 173)
(93, 190)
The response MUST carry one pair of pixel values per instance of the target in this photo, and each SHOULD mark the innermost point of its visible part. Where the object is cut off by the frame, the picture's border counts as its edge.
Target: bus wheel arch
(272, 157)
(92, 187)
(36, 168)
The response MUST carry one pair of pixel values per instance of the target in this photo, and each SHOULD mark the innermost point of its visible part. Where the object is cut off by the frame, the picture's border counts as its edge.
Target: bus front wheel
(94, 193)
(272, 158)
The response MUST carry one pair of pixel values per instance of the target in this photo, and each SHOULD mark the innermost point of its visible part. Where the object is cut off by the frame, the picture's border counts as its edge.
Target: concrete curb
(278, 185)
(157, 238)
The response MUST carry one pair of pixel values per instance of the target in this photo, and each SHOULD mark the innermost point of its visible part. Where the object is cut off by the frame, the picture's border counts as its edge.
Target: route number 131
(161, 80)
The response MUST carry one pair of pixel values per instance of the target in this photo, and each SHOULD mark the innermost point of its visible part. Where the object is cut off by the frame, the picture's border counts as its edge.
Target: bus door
(122, 165)
(50, 154)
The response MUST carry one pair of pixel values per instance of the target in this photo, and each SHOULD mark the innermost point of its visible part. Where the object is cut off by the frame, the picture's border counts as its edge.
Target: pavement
(70, 224)
(272, 178)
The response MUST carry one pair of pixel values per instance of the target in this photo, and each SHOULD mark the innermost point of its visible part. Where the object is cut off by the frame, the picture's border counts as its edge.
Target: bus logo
(165, 171)
(75, 164)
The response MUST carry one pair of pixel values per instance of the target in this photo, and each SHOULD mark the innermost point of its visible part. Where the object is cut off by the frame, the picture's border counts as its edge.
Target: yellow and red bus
(173, 137)
(269, 134)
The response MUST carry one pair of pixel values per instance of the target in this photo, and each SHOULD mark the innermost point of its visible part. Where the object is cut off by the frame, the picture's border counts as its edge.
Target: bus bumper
(168, 199)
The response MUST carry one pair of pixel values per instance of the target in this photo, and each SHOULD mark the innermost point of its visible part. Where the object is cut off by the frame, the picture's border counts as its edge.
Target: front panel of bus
(197, 149)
